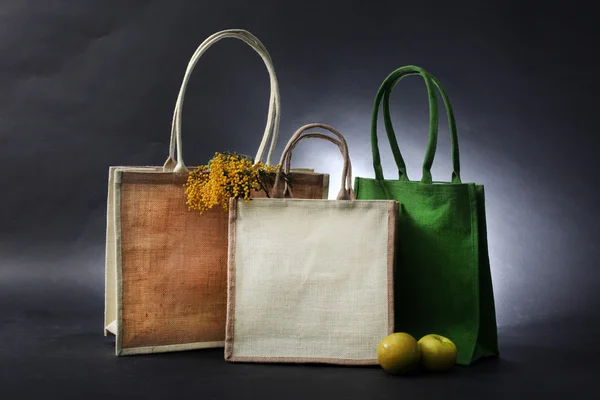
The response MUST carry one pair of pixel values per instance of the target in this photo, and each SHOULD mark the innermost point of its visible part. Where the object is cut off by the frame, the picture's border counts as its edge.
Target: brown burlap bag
(166, 266)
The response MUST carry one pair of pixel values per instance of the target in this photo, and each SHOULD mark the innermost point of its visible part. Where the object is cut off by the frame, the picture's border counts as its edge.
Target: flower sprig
(225, 176)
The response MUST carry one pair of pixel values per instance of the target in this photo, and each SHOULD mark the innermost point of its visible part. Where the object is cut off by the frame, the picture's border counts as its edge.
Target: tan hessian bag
(166, 266)
(310, 281)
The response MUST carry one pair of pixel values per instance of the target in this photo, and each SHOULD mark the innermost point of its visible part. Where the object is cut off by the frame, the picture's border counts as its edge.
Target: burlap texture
(172, 263)
(310, 281)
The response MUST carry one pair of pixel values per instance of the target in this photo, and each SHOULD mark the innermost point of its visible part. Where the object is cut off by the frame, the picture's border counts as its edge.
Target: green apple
(398, 353)
(438, 353)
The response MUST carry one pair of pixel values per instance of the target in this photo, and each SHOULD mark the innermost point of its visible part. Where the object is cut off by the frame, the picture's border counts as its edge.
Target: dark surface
(52, 347)
(89, 84)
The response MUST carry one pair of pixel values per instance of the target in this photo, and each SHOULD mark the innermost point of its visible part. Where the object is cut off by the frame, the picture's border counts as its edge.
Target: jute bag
(444, 284)
(310, 281)
(166, 266)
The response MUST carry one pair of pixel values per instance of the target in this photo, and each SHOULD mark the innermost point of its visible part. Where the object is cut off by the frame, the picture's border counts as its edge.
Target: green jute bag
(443, 283)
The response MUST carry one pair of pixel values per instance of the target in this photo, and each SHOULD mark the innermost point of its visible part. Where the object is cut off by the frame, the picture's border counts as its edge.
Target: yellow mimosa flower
(226, 175)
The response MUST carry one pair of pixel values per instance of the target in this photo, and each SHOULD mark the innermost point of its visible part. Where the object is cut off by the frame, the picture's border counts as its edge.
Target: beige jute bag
(166, 266)
(310, 281)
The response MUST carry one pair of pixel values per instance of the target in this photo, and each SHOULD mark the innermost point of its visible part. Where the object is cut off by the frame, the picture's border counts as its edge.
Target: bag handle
(346, 192)
(384, 93)
(347, 166)
(273, 117)
(451, 128)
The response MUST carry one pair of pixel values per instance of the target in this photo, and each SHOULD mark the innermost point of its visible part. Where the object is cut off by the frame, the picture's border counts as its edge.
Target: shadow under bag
(443, 281)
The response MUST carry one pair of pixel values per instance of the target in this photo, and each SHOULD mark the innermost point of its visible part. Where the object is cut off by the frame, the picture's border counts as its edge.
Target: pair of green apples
(400, 352)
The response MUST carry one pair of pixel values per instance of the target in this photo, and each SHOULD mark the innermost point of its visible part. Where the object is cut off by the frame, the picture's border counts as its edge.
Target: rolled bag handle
(346, 192)
(383, 94)
(273, 117)
(347, 166)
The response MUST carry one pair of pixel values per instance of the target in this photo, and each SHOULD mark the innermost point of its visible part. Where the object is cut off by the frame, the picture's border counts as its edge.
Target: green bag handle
(384, 94)
(452, 129)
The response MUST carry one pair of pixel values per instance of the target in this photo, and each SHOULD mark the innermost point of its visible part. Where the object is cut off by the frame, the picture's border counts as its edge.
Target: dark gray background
(90, 84)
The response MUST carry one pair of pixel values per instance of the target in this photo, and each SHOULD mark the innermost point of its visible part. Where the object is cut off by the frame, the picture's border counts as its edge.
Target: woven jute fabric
(172, 263)
(166, 265)
(173, 290)
(310, 281)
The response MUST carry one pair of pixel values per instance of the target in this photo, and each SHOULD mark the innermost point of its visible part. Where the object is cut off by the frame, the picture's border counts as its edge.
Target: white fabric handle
(272, 127)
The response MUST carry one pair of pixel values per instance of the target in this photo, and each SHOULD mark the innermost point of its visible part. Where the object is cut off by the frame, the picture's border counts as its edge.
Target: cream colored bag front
(166, 266)
(310, 281)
